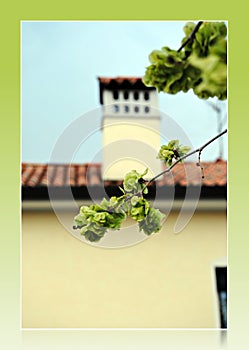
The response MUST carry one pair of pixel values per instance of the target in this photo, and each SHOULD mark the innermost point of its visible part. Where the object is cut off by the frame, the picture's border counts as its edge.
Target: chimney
(130, 127)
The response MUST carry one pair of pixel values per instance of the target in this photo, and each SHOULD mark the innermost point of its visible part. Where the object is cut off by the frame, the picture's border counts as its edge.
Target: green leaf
(152, 222)
(139, 208)
(188, 28)
(121, 189)
(146, 191)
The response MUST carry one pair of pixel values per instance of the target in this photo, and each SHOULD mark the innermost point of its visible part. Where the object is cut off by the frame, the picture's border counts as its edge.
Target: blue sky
(60, 65)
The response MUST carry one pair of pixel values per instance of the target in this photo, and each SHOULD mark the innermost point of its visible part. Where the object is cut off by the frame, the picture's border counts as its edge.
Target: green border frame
(12, 14)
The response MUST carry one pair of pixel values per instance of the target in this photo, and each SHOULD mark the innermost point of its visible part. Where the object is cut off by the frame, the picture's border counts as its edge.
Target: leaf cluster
(134, 182)
(94, 220)
(201, 65)
(172, 151)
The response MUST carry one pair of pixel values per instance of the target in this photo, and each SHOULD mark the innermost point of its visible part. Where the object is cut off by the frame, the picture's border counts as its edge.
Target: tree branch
(199, 150)
(191, 36)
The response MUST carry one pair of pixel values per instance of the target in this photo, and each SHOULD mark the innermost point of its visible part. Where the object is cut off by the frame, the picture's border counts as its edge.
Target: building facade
(165, 281)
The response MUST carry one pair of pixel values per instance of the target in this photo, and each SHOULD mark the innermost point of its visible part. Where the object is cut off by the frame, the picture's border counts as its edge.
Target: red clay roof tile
(93, 175)
(77, 175)
(80, 179)
(36, 176)
(119, 79)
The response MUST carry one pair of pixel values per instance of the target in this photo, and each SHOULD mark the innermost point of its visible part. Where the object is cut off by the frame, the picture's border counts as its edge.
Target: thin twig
(139, 193)
(191, 36)
(200, 149)
(199, 164)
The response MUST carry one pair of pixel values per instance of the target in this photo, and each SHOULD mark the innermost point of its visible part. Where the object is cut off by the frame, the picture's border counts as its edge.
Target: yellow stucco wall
(165, 281)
